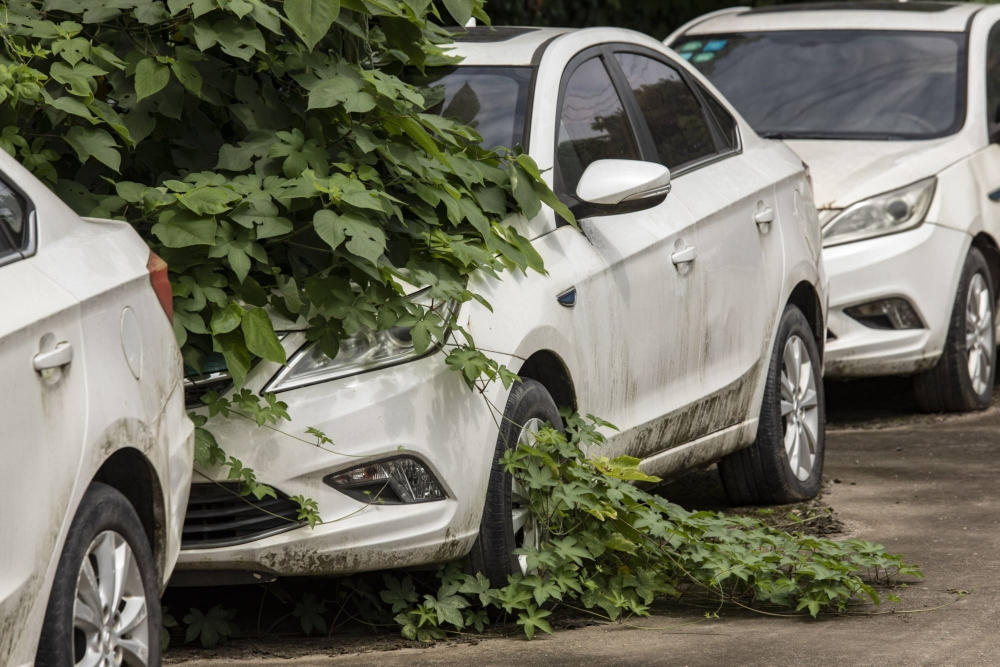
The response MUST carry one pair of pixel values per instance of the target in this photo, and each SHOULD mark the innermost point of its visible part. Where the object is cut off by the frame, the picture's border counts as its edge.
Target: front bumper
(422, 408)
(922, 266)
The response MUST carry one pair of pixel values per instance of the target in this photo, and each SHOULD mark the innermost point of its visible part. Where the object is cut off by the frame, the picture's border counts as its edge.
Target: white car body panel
(923, 265)
(77, 286)
(636, 346)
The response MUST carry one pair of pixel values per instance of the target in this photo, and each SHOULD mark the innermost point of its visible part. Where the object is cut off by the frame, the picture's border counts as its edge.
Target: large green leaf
(186, 229)
(311, 19)
(460, 10)
(365, 239)
(150, 77)
(260, 337)
(94, 142)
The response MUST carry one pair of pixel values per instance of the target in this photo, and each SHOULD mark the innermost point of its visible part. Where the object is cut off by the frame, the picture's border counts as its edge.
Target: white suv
(97, 450)
(896, 109)
(689, 310)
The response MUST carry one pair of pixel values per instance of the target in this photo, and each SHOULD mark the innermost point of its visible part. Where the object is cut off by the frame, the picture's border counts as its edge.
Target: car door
(637, 313)
(42, 408)
(733, 206)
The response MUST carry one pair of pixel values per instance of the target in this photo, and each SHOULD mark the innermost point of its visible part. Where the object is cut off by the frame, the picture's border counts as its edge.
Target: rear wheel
(963, 378)
(508, 522)
(104, 608)
(785, 462)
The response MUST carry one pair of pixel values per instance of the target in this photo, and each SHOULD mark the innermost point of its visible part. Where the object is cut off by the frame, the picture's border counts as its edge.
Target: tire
(104, 521)
(493, 553)
(949, 386)
(763, 474)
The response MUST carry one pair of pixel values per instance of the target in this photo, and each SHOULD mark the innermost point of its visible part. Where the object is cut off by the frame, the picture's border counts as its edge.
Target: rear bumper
(921, 266)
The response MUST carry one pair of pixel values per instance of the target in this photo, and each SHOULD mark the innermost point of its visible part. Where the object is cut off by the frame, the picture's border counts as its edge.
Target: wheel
(962, 379)
(507, 522)
(785, 462)
(104, 609)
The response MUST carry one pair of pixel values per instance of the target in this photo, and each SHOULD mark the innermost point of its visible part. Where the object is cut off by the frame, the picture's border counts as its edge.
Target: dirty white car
(689, 311)
(896, 109)
(96, 447)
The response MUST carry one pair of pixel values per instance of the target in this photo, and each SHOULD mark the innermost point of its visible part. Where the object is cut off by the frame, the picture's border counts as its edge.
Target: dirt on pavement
(925, 486)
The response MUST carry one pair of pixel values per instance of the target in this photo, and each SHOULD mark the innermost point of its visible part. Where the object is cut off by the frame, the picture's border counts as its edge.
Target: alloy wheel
(110, 615)
(799, 407)
(526, 529)
(979, 333)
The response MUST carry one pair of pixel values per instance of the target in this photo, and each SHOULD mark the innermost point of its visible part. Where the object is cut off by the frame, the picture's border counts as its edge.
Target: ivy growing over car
(270, 152)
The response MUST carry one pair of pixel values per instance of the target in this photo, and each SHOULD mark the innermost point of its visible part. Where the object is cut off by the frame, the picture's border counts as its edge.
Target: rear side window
(993, 80)
(592, 125)
(13, 220)
(724, 119)
(676, 121)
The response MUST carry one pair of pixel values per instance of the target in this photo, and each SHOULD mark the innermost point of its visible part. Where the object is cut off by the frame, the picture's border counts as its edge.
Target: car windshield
(838, 84)
(491, 100)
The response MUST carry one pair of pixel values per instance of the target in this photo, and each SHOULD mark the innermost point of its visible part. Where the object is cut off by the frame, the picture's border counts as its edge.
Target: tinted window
(13, 219)
(723, 118)
(592, 125)
(993, 80)
(491, 100)
(680, 130)
(838, 84)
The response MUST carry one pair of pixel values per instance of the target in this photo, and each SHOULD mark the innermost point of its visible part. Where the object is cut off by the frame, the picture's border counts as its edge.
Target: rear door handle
(57, 358)
(685, 256)
(764, 216)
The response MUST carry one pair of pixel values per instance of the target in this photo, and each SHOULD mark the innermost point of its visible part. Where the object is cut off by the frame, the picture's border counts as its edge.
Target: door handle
(684, 256)
(764, 216)
(57, 358)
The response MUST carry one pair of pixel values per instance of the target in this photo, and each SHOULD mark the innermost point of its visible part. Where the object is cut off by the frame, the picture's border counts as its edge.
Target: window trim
(992, 126)
(718, 135)
(30, 244)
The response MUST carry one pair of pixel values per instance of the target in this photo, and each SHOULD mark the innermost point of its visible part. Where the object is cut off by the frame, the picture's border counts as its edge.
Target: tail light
(161, 283)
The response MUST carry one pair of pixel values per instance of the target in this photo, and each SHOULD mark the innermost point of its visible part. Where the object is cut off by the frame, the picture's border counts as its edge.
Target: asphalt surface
(926, 486)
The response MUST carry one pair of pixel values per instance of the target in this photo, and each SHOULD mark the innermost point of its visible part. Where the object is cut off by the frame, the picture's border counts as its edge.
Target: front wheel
(508, 522)
(962, 379)
(104, 608)
(785, 462)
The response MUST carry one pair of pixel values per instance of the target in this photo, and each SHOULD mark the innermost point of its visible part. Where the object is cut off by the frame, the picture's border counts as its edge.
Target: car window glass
(592, 125)
(13, 217)
(722, 116)
(679, 127)
(993, 79)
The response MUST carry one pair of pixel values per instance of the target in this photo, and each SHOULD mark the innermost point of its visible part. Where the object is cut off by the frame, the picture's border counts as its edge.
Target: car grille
(218, 516)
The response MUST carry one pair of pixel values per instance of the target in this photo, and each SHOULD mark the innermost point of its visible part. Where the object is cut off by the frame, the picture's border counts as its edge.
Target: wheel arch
(806, 299)
(131, 473)
(552, 372)
(987, 245)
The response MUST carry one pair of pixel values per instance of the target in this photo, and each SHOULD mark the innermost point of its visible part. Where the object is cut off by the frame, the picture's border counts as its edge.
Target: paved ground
(925, 486)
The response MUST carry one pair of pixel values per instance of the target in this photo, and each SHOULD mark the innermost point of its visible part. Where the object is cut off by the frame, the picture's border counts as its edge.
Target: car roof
(863, 15)
(501, 45)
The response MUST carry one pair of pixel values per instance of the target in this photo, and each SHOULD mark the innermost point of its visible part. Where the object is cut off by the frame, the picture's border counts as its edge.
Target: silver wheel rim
(526, 532)
(110, 614)
(979, 343)
(799, 407)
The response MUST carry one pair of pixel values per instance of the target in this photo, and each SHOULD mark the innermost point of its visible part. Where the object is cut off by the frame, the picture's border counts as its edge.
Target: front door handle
(764, 216)
(57, 358)
(684, 256)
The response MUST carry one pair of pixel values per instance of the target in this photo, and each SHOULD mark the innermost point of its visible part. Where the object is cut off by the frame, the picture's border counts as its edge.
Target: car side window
(724, 119)
(592, 125)
(13, 220)
(676, 120)
(993, 80)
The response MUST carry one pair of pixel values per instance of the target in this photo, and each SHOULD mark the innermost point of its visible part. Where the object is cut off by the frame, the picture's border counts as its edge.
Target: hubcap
(979, 343)
(526, 529)
(109, 614)
(799, 407)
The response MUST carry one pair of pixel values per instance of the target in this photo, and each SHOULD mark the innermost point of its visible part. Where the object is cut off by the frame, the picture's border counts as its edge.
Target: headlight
(364, 351)
(891, 212)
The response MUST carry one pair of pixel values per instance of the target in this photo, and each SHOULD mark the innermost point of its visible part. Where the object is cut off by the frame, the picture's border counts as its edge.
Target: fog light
(391, 482)
(892, 313)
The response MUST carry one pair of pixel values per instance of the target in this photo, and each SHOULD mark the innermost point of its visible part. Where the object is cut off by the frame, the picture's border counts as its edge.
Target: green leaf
(310, 614)
(311, 19)
(399, 594)
(461, 11)
(367, 240)
(186, 229)
(260, 337)
(188, 75)
(210, 628)
(150, 77)
(227, 319)
(524, 192)
(534, 618)
(94, 142)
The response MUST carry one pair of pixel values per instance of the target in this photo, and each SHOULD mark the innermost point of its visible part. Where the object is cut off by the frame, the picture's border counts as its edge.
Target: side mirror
(615, 181)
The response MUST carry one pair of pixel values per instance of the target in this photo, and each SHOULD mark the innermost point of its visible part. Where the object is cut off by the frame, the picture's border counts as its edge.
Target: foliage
(212, 628)
(270, 153)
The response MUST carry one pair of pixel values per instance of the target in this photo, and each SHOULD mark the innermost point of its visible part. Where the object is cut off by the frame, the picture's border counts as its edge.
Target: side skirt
(706, 449)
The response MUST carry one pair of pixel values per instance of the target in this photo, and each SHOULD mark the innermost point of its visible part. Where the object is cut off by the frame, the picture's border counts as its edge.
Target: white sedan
(96, 447)
(896, 109)
(689, 311)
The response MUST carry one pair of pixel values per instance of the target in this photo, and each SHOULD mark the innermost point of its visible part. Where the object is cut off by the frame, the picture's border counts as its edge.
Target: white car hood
(845, 172)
